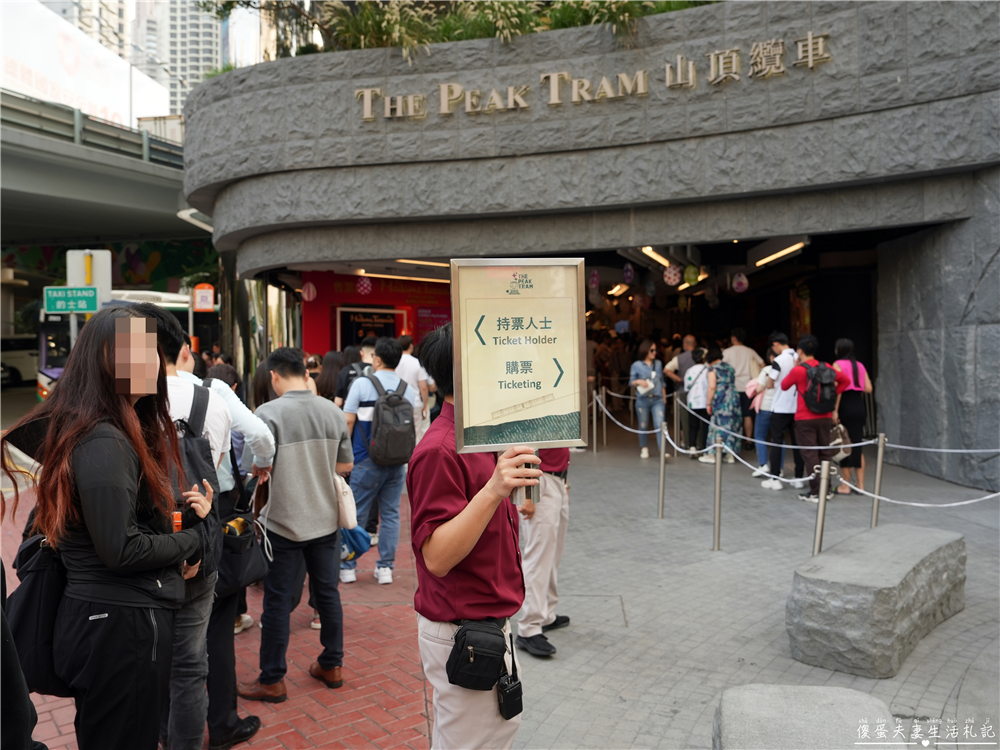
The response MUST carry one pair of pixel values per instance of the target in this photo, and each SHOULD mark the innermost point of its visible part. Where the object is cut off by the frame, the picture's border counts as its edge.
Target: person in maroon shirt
(464, 533)
(811, 429)
(544, 539)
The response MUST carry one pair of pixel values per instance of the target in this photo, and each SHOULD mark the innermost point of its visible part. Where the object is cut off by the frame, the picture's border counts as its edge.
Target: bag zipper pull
(472, 655)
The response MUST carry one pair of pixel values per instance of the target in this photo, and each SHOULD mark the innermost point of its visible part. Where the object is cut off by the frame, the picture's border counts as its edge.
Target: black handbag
(31, 614)
(476, 660)
(243, 560)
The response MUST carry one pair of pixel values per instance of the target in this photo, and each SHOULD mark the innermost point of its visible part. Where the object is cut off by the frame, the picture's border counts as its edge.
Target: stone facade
(863, 605)
(900, 128)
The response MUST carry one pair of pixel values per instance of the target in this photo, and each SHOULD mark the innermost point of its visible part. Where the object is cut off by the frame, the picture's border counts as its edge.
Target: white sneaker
(771, 484)
(800, 483)
(374, 540)
(761, 471)
(707, 458)
(348, 575)
(730, 458)
(644, 453)
(383, 575)
(243, 622)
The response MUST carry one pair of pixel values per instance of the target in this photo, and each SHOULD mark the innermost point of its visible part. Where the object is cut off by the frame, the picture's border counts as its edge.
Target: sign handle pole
(593, 435)
(878, 478)
(663, 466)
(718, 495)
(677, 425)
(824, 483)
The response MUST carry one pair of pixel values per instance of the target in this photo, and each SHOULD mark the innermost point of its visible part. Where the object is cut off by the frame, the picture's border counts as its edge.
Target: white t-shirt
(696, 385)
(409, 369)
(740, 357)
(785, 402)
(218, 421)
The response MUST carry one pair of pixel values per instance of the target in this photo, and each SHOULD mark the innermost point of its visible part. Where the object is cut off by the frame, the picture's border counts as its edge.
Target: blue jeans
(646, 408)
(321, 557)
(182, 721)
(761, 430)
(382, 485)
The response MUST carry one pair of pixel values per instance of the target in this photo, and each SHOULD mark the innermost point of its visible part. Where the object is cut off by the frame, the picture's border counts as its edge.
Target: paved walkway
(660, 624)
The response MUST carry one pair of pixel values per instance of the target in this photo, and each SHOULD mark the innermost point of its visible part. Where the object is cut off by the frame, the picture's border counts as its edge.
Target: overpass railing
(72, 125)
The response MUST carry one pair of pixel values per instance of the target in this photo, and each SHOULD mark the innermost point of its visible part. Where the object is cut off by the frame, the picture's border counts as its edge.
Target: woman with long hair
(326, 383)
(105, 502)
(850, 411)
(646, 376)
(352, 356)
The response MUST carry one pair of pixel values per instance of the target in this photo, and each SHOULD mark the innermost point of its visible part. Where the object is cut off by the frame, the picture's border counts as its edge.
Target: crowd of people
(748, 400)
(150, 455)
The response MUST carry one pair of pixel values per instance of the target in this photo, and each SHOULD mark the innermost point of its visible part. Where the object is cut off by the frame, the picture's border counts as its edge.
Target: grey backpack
(394, 434)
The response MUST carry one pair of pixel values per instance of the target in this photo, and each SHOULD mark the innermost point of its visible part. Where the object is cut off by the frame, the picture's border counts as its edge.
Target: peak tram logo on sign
(518, 282)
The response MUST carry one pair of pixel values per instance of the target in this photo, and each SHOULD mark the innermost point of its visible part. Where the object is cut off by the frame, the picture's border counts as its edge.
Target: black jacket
(124, 552)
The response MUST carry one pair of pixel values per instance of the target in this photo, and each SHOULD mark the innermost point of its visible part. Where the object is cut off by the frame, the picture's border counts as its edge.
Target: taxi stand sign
(70, 299)
(520, 353)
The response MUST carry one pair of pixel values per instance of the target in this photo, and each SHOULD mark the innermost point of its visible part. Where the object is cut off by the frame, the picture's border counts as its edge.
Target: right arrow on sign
(560, 372)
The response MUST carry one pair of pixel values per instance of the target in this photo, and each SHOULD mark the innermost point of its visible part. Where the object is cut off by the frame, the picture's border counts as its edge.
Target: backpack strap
(401, 388)
(199, 408)
(359, 369)
(378, 385)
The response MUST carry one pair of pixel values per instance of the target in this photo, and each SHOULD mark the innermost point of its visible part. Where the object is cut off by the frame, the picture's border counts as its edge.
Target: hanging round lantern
(672, 275)
(308, 291)
(650, 288)
(364, 285)
(691, 274)
(643, 300)
(628, 273)
(595, 279)
(683, 303)
(740, 283)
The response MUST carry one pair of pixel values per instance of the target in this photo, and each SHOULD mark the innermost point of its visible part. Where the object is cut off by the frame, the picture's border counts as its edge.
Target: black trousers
(222, 716)
(117, 661)
(699, 429)
(780, 423)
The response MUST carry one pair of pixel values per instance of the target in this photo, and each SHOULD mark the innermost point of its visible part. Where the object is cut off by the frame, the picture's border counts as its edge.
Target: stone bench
(790, 717)
(864, 604)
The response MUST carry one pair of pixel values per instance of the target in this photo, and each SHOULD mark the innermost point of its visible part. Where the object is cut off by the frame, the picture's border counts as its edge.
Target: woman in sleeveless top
(850, 412)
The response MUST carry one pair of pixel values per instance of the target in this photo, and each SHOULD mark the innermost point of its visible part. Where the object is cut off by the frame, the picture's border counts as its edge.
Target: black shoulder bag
(243, 561)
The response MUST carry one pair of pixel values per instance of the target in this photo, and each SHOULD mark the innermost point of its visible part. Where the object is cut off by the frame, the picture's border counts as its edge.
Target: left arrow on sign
(560, 373)
(481, 319)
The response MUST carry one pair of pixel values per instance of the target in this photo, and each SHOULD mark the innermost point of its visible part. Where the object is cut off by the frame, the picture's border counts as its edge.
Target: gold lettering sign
(725, 65)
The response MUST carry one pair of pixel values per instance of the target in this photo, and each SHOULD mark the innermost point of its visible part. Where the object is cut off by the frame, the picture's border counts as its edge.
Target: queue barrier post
(824, 484)
(663, 466)
(593, 435)
(677, 423)
(604, 414)
(878, 478)
(718, 493)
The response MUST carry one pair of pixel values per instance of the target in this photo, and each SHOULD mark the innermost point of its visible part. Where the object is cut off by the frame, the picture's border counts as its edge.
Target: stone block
(938, 80)
(789, 717)
(725, 165)
(882, 37)
(862, 605)
(979, 27)
(856, 143)
(476, 142)
(932, 33)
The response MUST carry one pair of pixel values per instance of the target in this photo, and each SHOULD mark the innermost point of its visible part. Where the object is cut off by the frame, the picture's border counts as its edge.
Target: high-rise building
(105, 21)
(176, 44)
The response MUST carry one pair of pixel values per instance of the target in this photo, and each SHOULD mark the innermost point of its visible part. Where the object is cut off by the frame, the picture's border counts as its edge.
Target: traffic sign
(70, 299)
(520, 347)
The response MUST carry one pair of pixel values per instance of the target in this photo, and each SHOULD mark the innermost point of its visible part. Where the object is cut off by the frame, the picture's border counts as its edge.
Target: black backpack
(820, 395)
(196, 455)
(394, 434)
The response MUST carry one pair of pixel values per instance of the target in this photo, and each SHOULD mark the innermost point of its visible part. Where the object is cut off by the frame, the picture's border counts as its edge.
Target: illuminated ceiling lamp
(424, 263)
(774, 250)
(618, 290)
(362, 272)
(650, 252)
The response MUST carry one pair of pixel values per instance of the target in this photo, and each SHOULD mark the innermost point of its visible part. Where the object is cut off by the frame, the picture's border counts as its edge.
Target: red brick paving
(384, 703)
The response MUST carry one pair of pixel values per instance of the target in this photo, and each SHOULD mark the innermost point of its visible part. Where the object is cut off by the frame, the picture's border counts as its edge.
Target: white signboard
(520, 375)
(48, 58)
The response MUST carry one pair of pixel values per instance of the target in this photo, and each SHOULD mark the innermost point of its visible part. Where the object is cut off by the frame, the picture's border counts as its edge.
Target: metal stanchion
(824, 484)
(718, 492)
(593, 435)
(663, 465)
(604, 414)
(677, 424)
(878, 477)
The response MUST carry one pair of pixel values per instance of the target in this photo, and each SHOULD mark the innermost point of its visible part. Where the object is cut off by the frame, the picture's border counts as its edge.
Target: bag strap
(240, 488)
(199, 408)
(513, 660)
(378, 385)
(401, 388)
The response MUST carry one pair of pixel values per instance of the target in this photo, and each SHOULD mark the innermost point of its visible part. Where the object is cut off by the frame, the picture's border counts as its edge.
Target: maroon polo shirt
(554, 459)
(440, 483)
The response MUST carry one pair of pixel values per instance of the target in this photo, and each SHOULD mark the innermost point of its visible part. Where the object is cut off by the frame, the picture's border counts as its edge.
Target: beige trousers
(463, 719)
(544, 539)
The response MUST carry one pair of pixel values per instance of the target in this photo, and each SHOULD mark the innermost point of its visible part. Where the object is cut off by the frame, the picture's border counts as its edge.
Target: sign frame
(384, 310)
(459, 376)
(95, 296)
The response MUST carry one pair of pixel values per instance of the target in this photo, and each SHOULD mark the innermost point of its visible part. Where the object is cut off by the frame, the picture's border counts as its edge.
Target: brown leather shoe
(329, 677)
(255, 691)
